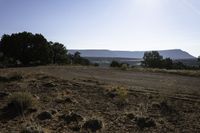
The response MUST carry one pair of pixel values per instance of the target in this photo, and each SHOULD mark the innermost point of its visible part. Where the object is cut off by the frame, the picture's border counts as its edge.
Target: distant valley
(173, 54)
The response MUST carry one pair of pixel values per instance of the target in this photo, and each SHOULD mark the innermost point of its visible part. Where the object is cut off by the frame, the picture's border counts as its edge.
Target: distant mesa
(173, 54)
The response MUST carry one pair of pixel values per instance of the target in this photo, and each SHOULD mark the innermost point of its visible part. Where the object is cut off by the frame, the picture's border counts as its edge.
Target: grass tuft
(21, 101)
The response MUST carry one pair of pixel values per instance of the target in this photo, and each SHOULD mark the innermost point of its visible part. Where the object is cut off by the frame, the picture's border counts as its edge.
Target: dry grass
(11, 77)
(194, 73)
(21, 101)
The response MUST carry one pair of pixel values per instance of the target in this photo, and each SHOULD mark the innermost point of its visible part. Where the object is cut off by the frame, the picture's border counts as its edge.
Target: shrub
(166, 108)
(115, 64)
(120, 95)
(93, 125)
(124, 67)
(121, 92)
(21, 101)
(144, 122)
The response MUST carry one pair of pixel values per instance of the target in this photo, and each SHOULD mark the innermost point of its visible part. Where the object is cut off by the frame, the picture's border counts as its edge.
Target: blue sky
(133, 25)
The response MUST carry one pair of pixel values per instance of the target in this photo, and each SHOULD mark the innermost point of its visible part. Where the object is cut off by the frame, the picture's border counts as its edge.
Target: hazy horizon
(125, 25)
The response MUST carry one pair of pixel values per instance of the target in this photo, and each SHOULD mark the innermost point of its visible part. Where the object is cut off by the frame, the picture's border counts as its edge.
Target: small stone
(4, 94)
(72, 117)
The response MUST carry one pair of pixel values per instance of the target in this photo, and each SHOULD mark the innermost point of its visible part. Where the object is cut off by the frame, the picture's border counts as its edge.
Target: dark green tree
(27, 48)
(77, 59)
(167, 63)
(59, 53)
(179, 65)
(115, 64)
(70, 58)
(152, 59)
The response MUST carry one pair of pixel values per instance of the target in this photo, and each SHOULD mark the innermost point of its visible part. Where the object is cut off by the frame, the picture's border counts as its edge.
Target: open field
(122, 101)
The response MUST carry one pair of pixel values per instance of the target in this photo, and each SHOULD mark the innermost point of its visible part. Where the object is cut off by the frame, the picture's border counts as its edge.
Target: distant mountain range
(173, 54)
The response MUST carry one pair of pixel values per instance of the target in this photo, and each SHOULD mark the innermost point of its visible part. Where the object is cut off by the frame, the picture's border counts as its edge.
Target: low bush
(93, 125)
(119, 95)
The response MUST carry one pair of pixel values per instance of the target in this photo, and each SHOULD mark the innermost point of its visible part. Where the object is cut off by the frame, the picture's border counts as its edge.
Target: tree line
(28, 49)
(153, 59)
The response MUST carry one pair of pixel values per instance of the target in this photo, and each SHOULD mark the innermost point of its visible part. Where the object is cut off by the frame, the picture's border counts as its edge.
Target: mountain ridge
(171, 53)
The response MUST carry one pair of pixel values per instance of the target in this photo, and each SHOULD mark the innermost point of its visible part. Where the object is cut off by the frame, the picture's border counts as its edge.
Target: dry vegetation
(55, 99)
(192, 73)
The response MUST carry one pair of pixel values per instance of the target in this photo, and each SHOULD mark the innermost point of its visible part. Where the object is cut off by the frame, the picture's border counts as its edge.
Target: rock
(155, 105)
(32, 110)
(72, 117)
(130, 116)
(93, 125)
(50, 84)
(143, 122)
(69, 100)
(45, 115)
(65, 100)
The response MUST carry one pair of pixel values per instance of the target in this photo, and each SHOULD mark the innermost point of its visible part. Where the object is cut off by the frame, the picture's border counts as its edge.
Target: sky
(133, 25)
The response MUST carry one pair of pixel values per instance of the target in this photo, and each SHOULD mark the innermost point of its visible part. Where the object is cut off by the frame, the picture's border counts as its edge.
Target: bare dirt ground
(121, 101)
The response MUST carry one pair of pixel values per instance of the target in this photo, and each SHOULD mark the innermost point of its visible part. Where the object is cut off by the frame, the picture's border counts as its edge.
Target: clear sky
(133, 25)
